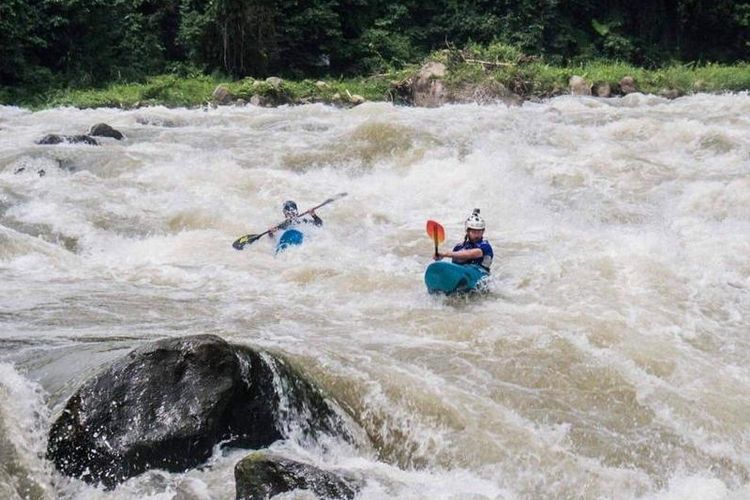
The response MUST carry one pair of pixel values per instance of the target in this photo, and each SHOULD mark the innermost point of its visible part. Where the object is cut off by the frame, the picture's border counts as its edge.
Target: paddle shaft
(249, 239)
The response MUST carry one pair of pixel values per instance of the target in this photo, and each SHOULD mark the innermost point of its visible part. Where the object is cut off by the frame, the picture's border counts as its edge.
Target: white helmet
(474, 221)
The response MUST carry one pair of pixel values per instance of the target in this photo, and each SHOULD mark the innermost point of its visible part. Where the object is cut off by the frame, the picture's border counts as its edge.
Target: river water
(608, 360)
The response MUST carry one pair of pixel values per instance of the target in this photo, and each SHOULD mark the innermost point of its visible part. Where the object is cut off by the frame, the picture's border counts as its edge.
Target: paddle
(249, 239)
(436, 232)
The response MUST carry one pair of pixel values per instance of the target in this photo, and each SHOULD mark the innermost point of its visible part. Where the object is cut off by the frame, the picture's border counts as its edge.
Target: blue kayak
(290, 237)
(448, 278)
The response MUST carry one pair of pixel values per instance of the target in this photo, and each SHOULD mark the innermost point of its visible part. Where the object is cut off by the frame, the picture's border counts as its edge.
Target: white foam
(610, 353)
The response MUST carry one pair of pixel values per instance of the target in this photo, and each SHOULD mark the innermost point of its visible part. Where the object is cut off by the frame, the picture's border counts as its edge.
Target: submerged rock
(50, 139)
(262, 475)
(167, 404)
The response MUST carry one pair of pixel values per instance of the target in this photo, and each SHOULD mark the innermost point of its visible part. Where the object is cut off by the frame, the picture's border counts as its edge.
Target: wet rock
(579, 86)
(428, 90)
(222, 95)
(258, 100)
(432, 70)
(275, 82)
(167, 404)
(51, 139)
(157, 121)
(556, 90)
(40, 172)
(490, 91)
(627, 85)
(263, 474)
(400, 92)
(104, 130)
(41, 165)
(670, 93)
(356, 99)
(603, 89)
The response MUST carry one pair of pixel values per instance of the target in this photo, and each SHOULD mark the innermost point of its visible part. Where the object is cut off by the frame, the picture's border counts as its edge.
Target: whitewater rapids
(609, 360)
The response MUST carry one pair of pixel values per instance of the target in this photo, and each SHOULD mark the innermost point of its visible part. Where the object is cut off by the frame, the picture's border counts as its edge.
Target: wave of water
(608, 361)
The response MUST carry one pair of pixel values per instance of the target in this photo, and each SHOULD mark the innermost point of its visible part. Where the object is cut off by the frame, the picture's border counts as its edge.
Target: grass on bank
(528, 76)
(531, 76)
(173, 91)
(684, 79)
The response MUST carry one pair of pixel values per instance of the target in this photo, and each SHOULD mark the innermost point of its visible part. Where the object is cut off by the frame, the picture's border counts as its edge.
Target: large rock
(258, 100)
(167, 404)
(222, 95)
(428, 89)
(670, 93)
(262, 475)
(579, 86)
(104, 130)
(627, 85)
(356, 99)
(275, 82)
(603, 89)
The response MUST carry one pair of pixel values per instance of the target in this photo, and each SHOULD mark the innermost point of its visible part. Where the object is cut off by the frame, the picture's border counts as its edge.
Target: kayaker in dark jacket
(292, 218)
(474, 249)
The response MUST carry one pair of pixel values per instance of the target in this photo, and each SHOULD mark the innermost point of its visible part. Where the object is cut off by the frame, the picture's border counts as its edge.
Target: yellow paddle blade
(240, 242)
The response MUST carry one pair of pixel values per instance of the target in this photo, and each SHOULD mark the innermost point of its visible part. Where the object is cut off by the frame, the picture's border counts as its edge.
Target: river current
(608, 360)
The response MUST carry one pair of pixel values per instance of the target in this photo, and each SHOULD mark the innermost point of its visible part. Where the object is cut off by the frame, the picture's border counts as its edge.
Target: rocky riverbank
(448, 76)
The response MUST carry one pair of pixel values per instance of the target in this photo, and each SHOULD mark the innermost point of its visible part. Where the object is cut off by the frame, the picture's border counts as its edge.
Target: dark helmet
(290, 209)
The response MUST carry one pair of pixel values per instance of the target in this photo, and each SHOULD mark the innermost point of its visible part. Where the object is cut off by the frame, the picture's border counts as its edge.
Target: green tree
(19, 40)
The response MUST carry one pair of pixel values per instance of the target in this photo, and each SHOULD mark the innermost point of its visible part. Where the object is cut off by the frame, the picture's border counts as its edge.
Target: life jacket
(291, 222)
(485, 261)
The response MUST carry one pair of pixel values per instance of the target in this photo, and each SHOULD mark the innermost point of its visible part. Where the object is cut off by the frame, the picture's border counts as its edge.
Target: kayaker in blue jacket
(474, 249)
(292, 218)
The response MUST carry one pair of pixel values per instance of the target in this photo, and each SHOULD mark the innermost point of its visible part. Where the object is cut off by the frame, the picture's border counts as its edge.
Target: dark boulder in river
(167, 404)
(262, 475)
(104, 130)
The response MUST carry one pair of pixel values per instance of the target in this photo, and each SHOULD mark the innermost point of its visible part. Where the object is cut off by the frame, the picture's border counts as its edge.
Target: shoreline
(443, 79)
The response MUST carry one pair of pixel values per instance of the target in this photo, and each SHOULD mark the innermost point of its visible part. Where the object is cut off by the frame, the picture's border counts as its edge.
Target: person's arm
(462, 255)
(316, 220)
(273, 229)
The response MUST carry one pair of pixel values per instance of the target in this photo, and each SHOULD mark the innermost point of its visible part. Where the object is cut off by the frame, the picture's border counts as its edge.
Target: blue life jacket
(484, 261)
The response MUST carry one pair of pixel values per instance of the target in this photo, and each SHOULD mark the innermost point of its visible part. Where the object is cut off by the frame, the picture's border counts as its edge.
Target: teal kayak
(290, 237)
(448, 278)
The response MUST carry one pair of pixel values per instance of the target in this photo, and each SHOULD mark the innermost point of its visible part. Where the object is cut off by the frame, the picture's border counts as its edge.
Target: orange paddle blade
(435, 231)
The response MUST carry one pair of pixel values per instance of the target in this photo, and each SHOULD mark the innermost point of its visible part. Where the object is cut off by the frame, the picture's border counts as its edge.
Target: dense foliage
(49, 43)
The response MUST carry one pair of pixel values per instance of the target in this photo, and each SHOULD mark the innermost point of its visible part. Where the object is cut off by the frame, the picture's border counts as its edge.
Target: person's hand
(437, 256)
(312, 212)
(271, 231)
